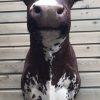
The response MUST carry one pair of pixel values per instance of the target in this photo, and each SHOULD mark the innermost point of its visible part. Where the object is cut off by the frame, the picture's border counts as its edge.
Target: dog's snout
(48, 14)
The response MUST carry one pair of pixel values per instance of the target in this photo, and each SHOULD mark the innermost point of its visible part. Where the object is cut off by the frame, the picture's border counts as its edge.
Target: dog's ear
(26, 2)
(72, 2)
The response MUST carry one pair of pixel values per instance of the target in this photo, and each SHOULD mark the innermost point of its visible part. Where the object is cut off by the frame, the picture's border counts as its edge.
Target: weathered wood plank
(87, 50)
(89, 64)
(13, 81)
(14, 40)
(12, 17)
(17, 66)
(84, 94)
(90, 79)
(10, 81)
(9, 0)
(15, 6)
(11, 95)
(11, 66)
(90, 25)
(88, 94)
(85, 37)
(76, 15)
(12, 6)
(13, 53)
(20, 52)
(87, 4)
(85, 14)
(13, 28)
(87, 25)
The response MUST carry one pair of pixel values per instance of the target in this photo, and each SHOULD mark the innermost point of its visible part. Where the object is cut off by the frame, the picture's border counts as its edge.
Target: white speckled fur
(51, 92)
(64, 81)
(49, 39)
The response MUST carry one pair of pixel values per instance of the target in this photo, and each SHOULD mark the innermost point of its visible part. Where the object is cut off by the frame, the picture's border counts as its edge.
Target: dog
(50, 70)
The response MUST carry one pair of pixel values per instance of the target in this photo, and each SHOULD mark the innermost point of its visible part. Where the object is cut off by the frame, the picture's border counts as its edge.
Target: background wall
(14, 44)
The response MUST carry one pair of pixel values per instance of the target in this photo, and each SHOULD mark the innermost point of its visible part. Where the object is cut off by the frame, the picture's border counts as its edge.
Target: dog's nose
(47, 15)
(40, 10)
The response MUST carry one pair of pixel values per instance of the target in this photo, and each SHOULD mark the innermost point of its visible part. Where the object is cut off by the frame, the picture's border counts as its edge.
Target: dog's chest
(38, 91)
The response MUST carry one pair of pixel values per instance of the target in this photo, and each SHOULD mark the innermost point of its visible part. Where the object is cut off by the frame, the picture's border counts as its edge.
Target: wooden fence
(14, 44)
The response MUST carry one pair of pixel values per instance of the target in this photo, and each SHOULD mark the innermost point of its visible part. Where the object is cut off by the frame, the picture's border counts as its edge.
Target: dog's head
(49, 16)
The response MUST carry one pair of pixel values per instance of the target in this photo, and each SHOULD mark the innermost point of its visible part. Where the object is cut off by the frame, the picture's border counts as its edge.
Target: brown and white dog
(50, 71)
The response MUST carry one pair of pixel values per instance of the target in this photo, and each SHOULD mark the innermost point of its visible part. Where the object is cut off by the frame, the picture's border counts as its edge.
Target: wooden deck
(14, 44)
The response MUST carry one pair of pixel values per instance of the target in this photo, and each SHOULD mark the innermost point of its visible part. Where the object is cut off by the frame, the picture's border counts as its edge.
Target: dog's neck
(47, 59)
(51, 43)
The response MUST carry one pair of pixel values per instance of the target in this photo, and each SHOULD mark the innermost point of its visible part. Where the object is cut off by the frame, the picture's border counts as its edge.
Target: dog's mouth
(33, 26)
(47, 28)
(63, 30)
